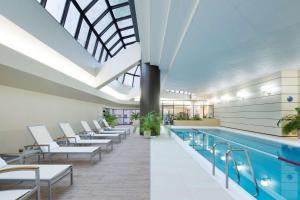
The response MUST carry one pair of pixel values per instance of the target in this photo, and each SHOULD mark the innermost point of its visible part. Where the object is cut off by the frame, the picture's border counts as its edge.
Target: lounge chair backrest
(105, 123)
(42, 136)
(69, 132)
(2, 163)
(97, 125)
(86, 126)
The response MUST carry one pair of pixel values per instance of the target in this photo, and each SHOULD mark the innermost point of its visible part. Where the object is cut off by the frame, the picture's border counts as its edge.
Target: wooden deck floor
(123, 174)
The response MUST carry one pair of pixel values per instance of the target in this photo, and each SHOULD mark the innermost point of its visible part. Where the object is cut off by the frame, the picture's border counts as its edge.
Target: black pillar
(150, 89)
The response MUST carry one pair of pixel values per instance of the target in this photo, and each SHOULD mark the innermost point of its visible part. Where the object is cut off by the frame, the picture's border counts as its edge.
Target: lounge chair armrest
(64, 139)
(37, 145)
(36, 169)
(21, 168)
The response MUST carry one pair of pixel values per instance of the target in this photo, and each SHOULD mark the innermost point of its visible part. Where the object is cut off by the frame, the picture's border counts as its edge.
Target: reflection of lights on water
(223, 158)
(241, 167)
(265, 182)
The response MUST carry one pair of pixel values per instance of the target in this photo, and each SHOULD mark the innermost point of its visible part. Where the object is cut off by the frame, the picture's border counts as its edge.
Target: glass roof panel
(132, 77)
(125, 23)
(97, 9)
(83, 3)
(103, 56)
(131, 39)
(106, 20)
(113, 41)
(127, 32)
(121, 12)
(136, 81)
(108, 33)
(115, 2)
(84, 29)
(56, 8)
(72, 19)
(98, 51)
(70, 12)
(116, 48)
(92, 43)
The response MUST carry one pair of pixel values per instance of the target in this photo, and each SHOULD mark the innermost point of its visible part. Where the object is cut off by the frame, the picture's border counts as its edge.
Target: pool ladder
(230, 153)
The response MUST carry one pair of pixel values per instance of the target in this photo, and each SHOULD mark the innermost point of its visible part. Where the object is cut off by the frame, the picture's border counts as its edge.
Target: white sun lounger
(102, 131)
(20, 194)
(107, 127)
(48, 146)
(95, 133)
(49, 174)
(76, 140)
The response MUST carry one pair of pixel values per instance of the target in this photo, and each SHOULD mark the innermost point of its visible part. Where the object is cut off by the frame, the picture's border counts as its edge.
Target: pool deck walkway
(176, 175)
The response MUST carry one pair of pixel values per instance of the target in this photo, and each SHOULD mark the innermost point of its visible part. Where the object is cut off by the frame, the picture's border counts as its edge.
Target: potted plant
(111, 119)
(291, 123)
(150, 124)
(135, 120)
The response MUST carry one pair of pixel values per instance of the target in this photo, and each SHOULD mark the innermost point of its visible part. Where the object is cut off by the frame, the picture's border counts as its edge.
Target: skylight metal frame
(99, 42)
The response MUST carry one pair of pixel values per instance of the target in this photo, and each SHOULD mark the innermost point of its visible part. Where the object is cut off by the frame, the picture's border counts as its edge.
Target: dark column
(150, 89)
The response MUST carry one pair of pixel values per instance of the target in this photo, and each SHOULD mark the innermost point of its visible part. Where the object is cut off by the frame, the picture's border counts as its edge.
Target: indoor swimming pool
(276, 165)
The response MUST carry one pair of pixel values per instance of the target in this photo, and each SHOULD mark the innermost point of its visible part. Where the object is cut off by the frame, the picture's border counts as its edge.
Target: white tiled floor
(176, 175)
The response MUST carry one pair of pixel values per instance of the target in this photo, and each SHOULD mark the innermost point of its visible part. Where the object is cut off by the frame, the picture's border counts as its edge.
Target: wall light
(226, 97)
(242, 94)
(268, 89)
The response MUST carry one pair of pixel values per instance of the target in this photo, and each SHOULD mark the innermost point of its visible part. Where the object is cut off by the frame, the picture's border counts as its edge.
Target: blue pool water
(277, 179)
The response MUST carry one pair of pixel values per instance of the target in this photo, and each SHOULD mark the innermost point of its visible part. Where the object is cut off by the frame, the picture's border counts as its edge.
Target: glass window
(108, 33)
(83, 3)
(112, 41)
(128, 40)
(97, 9)
(121, 12)
(115, 2)
(125, 23)
(84, 29)
(127, 32)
(92, 43)
(56, 8)
(98, 51)
(72, 19)
(103, 23)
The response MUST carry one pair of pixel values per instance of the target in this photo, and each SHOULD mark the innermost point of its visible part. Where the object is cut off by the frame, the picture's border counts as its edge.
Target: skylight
(132, 77)
(102, 27)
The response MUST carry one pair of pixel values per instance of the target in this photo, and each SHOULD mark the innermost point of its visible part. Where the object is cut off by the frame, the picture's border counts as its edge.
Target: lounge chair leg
(112, 146)
(50, 158)
(120, 139)
(49, 191)
(71, 175)
(67, 156)
(100, 154)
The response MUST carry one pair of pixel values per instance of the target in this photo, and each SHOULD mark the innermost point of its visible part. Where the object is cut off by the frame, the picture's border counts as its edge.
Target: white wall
(260, 112)
(20, 108)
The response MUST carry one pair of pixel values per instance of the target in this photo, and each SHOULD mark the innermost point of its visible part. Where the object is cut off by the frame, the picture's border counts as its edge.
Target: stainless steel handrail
(228, 153)
(229, 147)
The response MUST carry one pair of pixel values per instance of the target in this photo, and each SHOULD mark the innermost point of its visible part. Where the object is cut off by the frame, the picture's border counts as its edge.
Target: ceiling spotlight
(268, 89)
(172, 91)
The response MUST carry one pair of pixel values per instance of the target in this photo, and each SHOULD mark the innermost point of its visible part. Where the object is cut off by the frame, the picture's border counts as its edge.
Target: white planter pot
(147, 134)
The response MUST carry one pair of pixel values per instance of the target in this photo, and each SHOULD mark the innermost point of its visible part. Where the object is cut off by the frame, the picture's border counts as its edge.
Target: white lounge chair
(48, 146)
(107, 127)
(76, 140)
(102, 131)
(95, 133)
(50, 174)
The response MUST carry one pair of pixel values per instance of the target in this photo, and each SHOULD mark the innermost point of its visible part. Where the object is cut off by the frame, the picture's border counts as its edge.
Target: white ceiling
(204, 46)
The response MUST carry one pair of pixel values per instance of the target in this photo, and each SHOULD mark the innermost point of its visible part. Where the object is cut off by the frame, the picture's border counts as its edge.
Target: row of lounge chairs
(88, 142)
